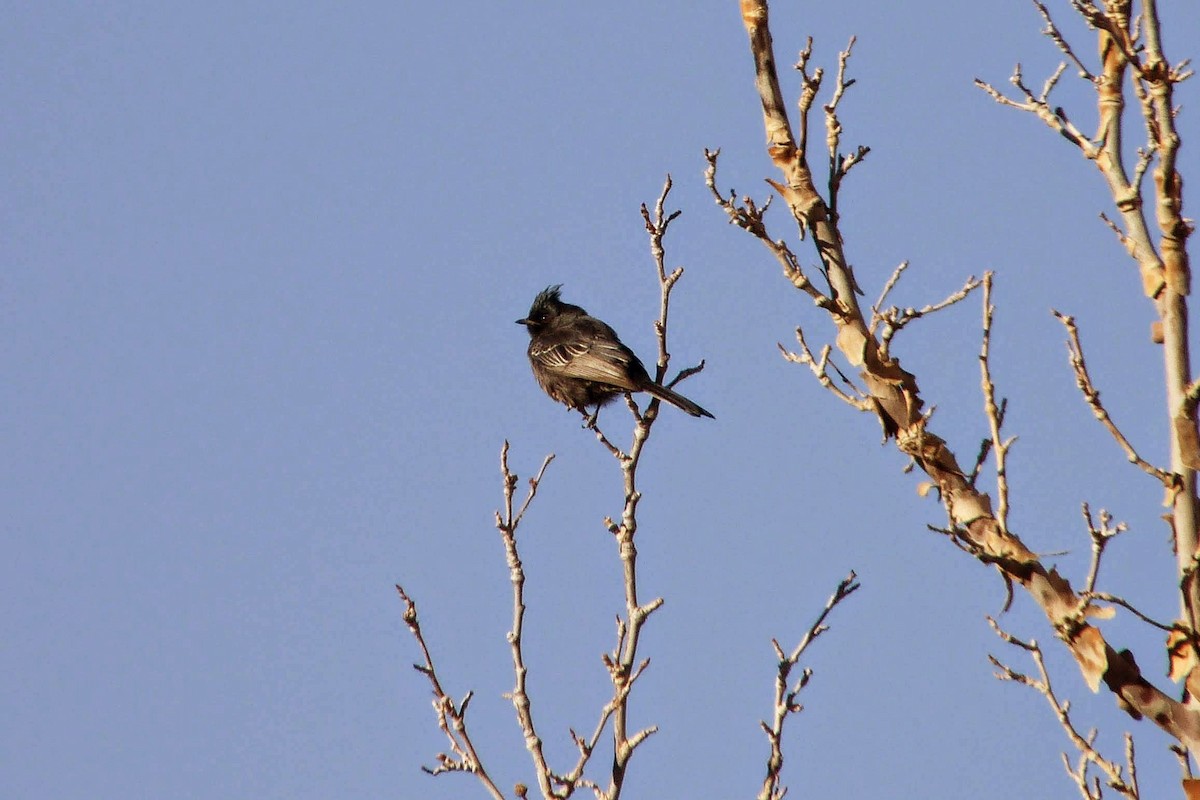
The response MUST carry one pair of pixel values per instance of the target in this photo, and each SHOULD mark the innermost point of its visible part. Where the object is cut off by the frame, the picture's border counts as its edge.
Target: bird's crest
(546, 297)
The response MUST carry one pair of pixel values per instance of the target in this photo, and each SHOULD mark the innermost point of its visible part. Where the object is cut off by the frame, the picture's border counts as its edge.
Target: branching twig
(748, 216)
(839, 164)
(1091, 396)
(656, 227)
(1056, 118)
(623, 663)
(995, 414)
(895, 393)
(785, 695)
(1100, 535)
(451, 716)
(507, 524)
(1131, 54)
(1125, 604)
(1089, 786)
(883, 295)
(894, 319)
(1051, 30)
(820, 367)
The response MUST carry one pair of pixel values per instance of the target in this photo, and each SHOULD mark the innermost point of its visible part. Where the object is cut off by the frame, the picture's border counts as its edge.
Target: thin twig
(839, 164)
(1056, 118)
(1124, 240)
(1091, 396)
(592, 424)
(1125, 604)
(895, 392)
(507, 524)
(451, 716)
(887, 289)
(995, 416)
(1085, 745)
(656, 227)
(894, 319)
(1100, 535)
(748, 215)
(1051, 30)
(785, 695)
(623, 664)
(820, 369)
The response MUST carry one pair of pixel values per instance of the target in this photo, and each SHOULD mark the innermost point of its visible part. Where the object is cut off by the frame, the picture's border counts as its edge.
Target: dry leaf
(924, 488)
(1191, 788)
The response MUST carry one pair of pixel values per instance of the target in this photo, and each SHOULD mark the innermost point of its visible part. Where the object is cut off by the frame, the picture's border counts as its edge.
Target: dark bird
(579, 361)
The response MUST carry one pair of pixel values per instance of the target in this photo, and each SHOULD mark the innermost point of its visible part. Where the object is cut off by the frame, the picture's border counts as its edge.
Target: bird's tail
(676, 399)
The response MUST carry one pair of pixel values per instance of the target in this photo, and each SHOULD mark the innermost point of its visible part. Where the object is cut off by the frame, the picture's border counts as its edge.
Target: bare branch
(820, 369)
(1101, 535)
(811, 86)
(623, 664)
(451, 716)
(894, 319)
(1120, 601)
(892, 280)
(785, 694)
(656, 227)
(798, 189)
(1051, 30)
(507, 525)
(895, 393)
(1085, 745)
(994, 414)
(1056, 118)
(1091, 395)
(839, 164)
(1133, 44)
(985, 444)
(592, 424)
(1171, 302)
(1125, 43)
(748, 216)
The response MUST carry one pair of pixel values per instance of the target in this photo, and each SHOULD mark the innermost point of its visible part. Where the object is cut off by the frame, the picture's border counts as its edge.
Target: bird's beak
(522, 322)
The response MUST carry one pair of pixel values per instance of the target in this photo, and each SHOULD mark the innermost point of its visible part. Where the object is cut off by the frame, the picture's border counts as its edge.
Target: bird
(579, 360)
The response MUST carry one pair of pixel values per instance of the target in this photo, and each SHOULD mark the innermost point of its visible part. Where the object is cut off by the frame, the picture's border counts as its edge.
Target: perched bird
(579, 361)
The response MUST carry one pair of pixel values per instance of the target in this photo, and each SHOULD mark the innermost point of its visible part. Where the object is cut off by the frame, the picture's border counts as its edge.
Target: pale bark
(894, 393)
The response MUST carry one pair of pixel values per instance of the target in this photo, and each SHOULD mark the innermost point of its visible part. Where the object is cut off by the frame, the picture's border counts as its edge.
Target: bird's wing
(593, 359)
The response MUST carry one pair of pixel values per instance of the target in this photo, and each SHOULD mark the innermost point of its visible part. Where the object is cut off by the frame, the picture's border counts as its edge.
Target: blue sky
(261, 267)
